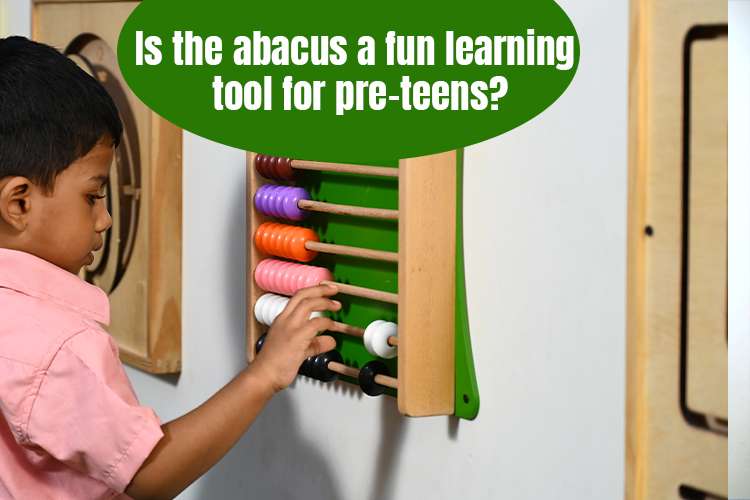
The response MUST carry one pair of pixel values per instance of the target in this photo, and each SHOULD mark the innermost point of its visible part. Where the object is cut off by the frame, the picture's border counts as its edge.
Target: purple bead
(267, 199)
(282, 195)
(281, 201)
(292, 210)
(259, 201)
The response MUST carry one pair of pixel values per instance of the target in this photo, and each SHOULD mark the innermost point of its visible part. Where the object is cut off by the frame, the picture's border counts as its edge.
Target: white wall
(15, 17)
(545, 219)
(739, 248)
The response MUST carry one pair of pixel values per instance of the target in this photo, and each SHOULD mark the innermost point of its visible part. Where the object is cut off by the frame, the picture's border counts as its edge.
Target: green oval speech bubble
(348, 82)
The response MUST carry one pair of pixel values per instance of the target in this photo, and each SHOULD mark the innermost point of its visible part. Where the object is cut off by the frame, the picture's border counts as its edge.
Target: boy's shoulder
(43, 307)
(33, 330)
(51, 339)
(36, 336)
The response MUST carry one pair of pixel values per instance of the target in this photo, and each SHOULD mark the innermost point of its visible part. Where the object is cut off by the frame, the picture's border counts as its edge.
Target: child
(70, 424)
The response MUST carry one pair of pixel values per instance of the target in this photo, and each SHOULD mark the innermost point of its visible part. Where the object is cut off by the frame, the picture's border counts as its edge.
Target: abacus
(389, 238)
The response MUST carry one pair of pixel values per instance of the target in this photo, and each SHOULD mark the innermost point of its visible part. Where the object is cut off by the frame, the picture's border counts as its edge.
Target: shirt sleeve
(86, 415)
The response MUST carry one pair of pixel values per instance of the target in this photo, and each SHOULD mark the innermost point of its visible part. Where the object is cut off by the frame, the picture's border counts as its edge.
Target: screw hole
(466, 399)
(649, 231)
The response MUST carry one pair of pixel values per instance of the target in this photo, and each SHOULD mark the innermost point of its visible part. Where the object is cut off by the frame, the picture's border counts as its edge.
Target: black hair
(51, 111)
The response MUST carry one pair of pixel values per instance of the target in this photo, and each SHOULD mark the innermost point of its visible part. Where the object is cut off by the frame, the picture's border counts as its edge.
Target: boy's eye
(93, 197)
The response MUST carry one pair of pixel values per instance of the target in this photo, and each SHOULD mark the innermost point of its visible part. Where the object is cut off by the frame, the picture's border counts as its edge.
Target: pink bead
(287, 278)
(281, 278)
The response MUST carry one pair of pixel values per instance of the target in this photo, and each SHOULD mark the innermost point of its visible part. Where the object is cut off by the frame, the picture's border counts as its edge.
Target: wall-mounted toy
(139, 265)
(389, 238)
(677, 279)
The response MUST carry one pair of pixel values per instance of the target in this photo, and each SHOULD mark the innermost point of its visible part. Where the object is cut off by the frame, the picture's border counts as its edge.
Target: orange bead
(299, 249)
(283, 240)
(286, 236)
(259, 238)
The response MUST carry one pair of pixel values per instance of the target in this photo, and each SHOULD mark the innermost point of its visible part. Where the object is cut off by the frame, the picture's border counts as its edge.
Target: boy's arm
(193, 443)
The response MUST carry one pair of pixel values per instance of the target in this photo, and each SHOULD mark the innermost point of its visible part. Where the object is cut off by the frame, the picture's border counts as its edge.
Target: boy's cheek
(59, 248)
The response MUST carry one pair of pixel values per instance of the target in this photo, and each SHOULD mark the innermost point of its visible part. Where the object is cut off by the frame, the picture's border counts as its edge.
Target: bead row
(286, 241)
(379, 338)
(287, 278)
(374, 377)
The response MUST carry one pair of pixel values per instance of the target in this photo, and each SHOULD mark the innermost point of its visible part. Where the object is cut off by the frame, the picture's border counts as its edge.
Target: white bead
(264, 301)
(376, 338)
(269, 306)
(369, 333)
(380, 341)
(276, 306)
(260, 308)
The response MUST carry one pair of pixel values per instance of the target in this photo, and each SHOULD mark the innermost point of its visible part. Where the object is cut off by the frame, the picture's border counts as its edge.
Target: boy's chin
(85, 262)
(76, 267)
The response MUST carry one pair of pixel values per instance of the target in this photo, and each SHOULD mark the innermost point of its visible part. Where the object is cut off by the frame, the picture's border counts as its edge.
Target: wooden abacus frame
(426, 278)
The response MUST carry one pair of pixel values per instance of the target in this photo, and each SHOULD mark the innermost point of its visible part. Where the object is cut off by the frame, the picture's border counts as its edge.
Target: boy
(70, 424)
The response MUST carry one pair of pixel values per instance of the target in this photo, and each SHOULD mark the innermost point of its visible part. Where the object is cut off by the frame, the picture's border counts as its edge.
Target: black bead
(313, 367)
(259, 343)
(317, 367)
(321, 366)
(307, 368)
(367, 378)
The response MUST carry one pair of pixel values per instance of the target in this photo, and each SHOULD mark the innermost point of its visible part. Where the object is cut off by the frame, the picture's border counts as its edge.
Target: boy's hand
(294, 336)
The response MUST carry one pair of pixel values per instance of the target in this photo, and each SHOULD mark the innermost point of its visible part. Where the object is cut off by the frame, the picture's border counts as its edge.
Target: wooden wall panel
(676, 446)
(144, 288)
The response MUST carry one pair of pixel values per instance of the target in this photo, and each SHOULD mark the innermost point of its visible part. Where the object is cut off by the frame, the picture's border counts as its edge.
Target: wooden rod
(355, 331)
(343, 369)
(365, 253)
(387, 381)
(348, 371)
(344, 168)
(350, 330)
(333, 208)
(359, 291)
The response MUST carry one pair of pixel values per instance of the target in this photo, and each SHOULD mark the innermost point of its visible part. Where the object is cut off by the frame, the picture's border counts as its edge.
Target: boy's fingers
(308, 306)
(312, 292)
(320, 344)
(320, 324)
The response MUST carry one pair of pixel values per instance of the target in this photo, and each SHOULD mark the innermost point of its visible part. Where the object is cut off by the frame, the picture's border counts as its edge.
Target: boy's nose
(104, 220)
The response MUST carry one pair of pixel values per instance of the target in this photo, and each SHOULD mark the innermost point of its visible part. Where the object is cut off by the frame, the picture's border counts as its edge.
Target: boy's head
(58, 131)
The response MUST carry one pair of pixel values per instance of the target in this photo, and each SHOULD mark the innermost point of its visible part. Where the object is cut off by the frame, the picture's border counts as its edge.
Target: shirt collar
(30, 275)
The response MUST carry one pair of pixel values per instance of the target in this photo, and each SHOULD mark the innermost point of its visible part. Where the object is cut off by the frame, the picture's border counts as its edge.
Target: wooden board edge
(251, 325)
(254, 219)
(427, 376)
(34, 28)
(635, 424)
(149, 364)
(164, 319)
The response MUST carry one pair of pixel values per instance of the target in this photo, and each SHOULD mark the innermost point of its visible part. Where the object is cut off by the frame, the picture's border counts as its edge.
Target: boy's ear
(15, 201)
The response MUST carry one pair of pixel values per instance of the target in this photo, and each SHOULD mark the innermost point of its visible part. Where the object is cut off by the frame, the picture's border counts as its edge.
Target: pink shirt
(70, 425)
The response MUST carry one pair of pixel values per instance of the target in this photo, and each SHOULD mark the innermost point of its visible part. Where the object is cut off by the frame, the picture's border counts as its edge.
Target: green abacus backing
(381, 192)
